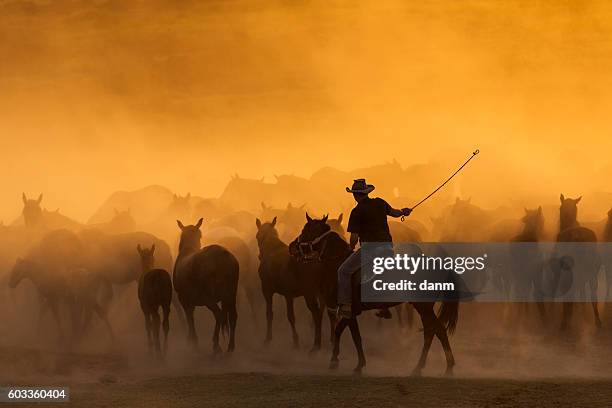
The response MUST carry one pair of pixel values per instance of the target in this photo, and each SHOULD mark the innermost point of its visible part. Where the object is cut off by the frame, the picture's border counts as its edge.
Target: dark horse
(280, 273)
(206, 277)
(154, 292)
(318, 241)
(571, 231)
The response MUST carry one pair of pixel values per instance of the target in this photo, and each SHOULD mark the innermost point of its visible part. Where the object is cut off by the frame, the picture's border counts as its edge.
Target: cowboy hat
(360, 186)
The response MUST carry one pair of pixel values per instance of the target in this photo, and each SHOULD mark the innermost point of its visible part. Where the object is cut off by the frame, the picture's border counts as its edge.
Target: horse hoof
(358, 370)
(314, 349)
(334, 364)
(416, 372)
(598, 324)
(449, 372)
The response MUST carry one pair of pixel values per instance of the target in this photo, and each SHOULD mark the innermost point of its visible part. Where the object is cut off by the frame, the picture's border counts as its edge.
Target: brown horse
(571, 231)
(331, 250)
(279, 273)
(206, 277)
(154, 292)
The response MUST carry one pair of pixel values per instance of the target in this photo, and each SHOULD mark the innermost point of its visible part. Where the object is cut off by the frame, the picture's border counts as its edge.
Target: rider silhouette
(367, 223)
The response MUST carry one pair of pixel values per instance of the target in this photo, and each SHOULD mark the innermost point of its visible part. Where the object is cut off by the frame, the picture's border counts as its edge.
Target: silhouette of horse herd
(235, 256)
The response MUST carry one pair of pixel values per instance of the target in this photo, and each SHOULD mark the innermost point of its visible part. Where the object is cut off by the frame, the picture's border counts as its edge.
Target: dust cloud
(109, 96)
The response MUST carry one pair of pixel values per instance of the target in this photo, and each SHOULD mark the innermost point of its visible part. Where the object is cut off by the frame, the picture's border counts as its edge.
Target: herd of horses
(82, 266)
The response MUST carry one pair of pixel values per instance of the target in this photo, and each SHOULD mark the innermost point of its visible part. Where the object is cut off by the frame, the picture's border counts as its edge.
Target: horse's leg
(332, 324)
(427, 314)
(229, 310)
(356, 335)
(291, 318)
(166, 325)
(594, 286)
(180, 312)
(191, 332)
(219, 318)
(155, 323)
(337, 334)
(147, 317)
(54, 309)
(269, 315)
(250, 295)
(103, 315)
(43, 306)
(313, 306)
(442, 335)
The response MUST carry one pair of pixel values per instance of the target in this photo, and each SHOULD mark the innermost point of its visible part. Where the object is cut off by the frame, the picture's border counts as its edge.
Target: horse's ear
(526, 210)
(139, 249)
(188, 196)
(24, 198)
(562, 198)
(540, 209)
(302, 206)
(199, 224)
(152, 249)
(258, 223)
(325, 218)
(308, 217)
(578, 200)
(263, 205)
(340, 217)
(39, 198)
(274, 221)
(180, 225)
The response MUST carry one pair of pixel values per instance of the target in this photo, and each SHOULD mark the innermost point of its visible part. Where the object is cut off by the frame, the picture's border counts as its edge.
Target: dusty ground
(259, 389)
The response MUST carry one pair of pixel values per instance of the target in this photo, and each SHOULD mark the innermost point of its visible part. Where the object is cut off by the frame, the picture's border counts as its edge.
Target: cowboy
(367, 223)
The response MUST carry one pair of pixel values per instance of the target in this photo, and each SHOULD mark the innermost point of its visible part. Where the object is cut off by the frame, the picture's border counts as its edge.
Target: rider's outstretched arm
(394, 212)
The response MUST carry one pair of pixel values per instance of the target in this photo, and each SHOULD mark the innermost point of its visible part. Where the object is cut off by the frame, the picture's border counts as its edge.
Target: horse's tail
(448, 315)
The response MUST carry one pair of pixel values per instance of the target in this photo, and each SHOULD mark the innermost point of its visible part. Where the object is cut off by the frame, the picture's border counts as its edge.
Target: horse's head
(568, 211)
(265, 231)
(336, 225)
(20, 271)
(147, 257)
(32, 211)
(123, 221)
(191, 236)
(534, 220)
(180, 206)
(314, 228)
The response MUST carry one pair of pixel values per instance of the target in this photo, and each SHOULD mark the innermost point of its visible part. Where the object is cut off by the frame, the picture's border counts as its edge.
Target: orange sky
(108, 97)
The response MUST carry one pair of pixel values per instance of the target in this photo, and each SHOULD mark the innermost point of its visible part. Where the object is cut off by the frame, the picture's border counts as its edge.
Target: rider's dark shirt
(369, 220)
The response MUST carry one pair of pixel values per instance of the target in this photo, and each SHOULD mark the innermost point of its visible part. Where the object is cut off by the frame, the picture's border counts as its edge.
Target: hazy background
(103, 96)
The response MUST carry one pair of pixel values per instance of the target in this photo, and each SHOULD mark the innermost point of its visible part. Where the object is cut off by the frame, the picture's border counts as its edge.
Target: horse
(32, 212)
(525, 277)
(206, 277)
(331, 250)
(55, 267)
(154, 292)
(280, 274)
(571, 231)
